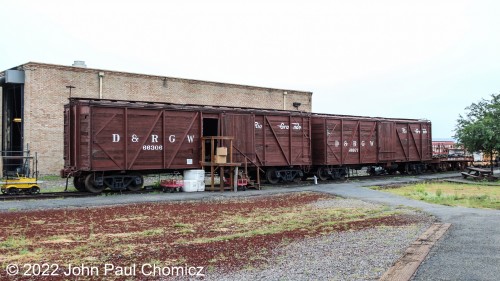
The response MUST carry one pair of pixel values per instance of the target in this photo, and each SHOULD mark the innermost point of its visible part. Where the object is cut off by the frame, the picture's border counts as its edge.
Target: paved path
(469, 251)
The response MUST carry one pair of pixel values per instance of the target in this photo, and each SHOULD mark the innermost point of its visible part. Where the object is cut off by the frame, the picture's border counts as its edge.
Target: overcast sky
(388, 58)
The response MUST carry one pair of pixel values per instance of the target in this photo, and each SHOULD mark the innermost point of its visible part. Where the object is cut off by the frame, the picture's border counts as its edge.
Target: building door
(12, 126)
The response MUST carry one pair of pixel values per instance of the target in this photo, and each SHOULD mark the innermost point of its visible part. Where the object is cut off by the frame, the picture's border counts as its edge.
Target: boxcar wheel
(79, 183)
(271, 176)
(137, 182)
(343, 174)
(322, 174)
(90, 185)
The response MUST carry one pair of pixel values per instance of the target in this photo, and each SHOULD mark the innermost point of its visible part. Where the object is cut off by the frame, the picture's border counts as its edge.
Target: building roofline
(87, 69)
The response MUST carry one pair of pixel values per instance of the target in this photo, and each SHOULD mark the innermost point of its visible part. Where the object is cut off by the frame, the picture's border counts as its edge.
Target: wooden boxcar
(111, 144)
(341, 142)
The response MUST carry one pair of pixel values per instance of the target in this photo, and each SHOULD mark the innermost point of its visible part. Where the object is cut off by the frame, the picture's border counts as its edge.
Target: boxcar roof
(183, 107)
(325, 115)
(217, 108)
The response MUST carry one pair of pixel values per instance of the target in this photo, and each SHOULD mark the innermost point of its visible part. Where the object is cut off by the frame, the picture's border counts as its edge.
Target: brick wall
(46, 94)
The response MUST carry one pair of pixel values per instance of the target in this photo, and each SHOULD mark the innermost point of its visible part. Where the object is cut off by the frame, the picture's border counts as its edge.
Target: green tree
(479, 130)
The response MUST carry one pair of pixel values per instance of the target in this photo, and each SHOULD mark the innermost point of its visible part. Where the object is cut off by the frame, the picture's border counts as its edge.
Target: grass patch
(153, 232)
(451, 194)
(182, 225)
(50, 177)
(258, 223)
(17, 242)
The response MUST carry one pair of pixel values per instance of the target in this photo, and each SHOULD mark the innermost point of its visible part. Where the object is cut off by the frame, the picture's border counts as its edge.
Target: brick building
(33, 96)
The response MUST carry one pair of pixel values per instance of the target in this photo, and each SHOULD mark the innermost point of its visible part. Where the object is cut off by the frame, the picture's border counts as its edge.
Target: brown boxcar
(283, 145)
(341, 142)
(409, 141)
(111, 143)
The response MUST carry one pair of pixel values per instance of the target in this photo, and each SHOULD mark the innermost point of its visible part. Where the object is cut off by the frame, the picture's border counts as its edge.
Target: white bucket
(198, 175)
(195, 178)
(190, 186)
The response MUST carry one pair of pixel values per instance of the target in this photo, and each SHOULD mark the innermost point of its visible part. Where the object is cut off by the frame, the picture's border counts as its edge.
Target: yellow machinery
(20, 184)
(19, 179)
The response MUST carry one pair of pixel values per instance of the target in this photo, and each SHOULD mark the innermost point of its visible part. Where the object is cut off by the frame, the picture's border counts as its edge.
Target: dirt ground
(222, 235)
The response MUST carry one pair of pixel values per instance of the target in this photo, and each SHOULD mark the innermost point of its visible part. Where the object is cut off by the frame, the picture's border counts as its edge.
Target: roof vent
(79, 63)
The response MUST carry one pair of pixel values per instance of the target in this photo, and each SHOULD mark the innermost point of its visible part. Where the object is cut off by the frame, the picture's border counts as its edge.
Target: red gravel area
(222, 235)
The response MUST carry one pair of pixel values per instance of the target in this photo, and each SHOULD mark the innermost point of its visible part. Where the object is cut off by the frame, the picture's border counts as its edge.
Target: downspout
(284, 100)
(101, 75)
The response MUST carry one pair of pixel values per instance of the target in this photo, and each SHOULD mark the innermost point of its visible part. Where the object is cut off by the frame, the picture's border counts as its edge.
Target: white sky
(389, 58)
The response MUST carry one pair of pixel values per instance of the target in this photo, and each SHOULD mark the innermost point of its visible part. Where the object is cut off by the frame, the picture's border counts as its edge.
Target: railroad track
(150, 189)
(71, 194)
(361, 178)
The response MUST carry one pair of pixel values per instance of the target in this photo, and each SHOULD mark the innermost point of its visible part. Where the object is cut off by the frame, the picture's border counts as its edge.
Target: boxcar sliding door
(242, 128)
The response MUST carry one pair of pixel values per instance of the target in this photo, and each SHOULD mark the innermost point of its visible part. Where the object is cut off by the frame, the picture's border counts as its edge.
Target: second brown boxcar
(382, 144)
(111, 144)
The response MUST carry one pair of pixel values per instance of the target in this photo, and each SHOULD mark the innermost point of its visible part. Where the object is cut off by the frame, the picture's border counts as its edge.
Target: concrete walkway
(470, 250)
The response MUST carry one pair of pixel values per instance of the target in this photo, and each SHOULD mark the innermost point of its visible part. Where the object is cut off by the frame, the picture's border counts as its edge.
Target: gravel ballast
(348, 255)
